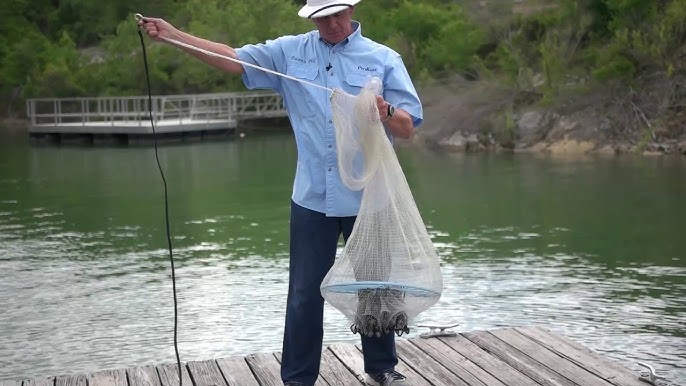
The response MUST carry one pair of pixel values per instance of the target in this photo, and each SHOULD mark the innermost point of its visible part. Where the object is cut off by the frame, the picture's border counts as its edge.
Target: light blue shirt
(350, 64)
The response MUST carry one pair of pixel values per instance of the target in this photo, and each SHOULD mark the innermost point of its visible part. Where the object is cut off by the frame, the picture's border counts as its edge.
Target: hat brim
(309, 12)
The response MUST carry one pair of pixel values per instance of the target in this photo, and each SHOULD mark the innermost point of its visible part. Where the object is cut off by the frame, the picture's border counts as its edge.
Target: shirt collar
(357, 32)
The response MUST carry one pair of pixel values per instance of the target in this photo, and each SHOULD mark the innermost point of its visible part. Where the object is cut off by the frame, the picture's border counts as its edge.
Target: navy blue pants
(314, 239)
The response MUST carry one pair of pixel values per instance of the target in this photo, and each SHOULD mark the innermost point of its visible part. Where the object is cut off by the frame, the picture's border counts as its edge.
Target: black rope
(166, 209)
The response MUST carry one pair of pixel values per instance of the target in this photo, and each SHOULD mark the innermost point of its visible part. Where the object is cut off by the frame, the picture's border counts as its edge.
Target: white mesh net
(388, 271)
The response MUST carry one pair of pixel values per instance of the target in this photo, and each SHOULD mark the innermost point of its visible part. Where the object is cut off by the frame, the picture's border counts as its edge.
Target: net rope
(388, 271)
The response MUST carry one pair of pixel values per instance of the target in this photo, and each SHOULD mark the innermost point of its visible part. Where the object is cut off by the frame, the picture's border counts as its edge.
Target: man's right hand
(220, 55)
(157, 29)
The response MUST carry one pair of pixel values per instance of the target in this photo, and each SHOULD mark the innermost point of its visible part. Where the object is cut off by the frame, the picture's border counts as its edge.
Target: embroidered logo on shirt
(301, 60)
(367, 69)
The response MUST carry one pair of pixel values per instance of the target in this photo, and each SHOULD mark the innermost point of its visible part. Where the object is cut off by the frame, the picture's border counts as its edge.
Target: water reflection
(85, 280)
(629, 313)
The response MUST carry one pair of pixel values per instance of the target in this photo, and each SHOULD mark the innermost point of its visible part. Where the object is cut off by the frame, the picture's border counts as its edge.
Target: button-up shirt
(347, 65)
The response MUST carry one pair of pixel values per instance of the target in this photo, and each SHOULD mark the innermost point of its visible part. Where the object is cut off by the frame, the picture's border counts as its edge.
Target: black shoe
(387, 378)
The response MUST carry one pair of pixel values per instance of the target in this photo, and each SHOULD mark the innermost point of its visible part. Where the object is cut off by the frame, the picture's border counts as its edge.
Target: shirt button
(329, 169)
(332, 74)
(329, 146)
(330, 121)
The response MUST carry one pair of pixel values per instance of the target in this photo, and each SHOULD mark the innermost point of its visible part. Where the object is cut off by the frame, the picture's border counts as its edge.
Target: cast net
(388, 271)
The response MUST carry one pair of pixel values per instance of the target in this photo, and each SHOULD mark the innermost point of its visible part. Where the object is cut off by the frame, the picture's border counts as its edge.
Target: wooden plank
(413, 377)
(523, 356)
(492, 364)
(420, 362)
(10, 383)
(108, 378)
(237, 372)
(462, 367)
(50, 381)
(266, 369)
(319, 382)
(71, 380)
(335, 371)
(143, 376)
(538, 361)
(350, 357)
(551, 359)
(206, 373)
(169, 375)
(583, 356)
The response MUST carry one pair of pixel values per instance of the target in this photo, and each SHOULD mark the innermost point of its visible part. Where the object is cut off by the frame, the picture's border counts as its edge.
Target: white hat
(321, 8)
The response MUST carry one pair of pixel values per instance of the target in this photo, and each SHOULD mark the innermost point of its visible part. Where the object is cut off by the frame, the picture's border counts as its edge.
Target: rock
(660, 148)
(661, 133)
(461, 142)
(623, 148)
(562, 128)
(533, 126)
(681, 147)
(571, 147)
(607, 150)
(587, 125)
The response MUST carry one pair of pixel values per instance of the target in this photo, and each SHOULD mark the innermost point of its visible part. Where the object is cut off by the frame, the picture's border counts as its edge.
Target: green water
(592, 248)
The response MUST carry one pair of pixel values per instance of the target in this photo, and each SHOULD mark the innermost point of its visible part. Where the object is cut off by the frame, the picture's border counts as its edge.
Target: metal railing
(134, 110)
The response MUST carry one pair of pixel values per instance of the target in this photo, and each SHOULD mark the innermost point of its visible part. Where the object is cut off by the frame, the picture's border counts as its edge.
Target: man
(335, 55)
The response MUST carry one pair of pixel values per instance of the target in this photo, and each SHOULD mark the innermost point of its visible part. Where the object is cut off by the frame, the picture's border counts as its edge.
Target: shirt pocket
(356, 81)
(303, 94)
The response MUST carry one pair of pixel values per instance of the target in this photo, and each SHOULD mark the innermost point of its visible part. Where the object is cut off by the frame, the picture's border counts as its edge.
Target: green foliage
(242, 22)
(58, 76)
(645, 37)
(613, 67)
(433, 37)
(507, 135)
(454, 46)
(81, 47)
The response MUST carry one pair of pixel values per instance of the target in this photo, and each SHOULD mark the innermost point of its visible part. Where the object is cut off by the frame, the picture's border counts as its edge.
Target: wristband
(389, 112)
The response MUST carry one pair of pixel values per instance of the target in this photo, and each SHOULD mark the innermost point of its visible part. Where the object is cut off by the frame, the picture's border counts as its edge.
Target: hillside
(518, 75)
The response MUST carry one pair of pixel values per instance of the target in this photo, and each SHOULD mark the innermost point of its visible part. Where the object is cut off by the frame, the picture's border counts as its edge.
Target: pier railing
(135, 111)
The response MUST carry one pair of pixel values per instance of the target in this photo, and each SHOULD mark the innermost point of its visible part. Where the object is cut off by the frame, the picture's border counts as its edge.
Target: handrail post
(153, 117)
(32, 110)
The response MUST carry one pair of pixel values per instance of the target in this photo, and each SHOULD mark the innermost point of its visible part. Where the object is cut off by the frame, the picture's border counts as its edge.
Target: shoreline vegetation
(550, 76)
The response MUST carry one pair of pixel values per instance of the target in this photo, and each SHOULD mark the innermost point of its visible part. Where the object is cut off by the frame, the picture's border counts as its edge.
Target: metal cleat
(436, 331)
(652, 376)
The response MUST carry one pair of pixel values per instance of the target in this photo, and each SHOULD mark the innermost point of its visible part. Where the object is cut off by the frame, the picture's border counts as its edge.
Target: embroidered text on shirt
(368, 69)
(301, 60)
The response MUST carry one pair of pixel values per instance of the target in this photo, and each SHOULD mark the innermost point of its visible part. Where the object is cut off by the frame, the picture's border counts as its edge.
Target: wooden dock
(526, 356)
(125, 119)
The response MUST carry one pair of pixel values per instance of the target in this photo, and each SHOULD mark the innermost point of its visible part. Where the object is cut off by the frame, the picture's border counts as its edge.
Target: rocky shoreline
(547, 132)
(460, 119)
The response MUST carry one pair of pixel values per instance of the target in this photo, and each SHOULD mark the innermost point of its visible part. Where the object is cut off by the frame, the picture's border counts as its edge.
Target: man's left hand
(382, 105)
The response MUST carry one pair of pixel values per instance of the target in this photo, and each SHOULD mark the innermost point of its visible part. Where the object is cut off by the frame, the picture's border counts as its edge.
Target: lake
(593, 248)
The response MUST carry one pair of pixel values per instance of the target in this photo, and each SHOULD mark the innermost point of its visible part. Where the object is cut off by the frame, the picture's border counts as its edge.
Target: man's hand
(157, 29)
(382, 105)
(160, 30)
(401, 124)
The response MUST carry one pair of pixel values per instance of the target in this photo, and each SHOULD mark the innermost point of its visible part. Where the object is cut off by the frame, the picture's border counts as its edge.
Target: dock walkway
(126, 118)
(526, 356)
